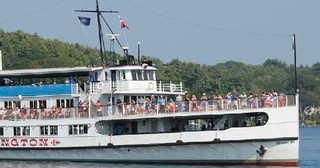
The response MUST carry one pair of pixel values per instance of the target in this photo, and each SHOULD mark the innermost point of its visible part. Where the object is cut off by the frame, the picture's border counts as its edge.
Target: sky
(203, 31)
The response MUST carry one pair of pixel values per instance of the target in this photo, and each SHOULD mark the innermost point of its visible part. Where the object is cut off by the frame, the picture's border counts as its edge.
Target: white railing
(146, 108)
(134, 86)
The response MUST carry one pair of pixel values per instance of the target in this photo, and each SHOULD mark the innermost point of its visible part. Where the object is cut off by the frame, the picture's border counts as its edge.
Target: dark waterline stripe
(178, 143)
(290, 163)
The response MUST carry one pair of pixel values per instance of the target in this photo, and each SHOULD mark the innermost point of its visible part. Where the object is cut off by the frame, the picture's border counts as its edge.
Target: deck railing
(147, 108)
(140, 86)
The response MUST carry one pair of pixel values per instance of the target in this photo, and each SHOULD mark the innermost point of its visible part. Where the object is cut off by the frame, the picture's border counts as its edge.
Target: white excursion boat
(122, 114)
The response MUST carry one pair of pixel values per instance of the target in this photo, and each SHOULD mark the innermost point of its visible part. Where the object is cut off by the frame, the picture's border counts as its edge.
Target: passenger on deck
(67, 81)
(133, 107)
(120, 106)
(204, 127)
(204, 102)
(55, 112)
(220, 102)
(171, 106)
(148, 105)
(141, 102)
(179, 103)
(187, 102)
(162, 103)
(228, 101)
(24, 112)
(2, 113)
(235, 96)
(194, 103)
(153, 103)
(274, 98)
(243, 100)
(109, 109)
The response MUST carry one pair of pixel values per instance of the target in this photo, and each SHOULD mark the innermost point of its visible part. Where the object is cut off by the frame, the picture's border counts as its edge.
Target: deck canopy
(48, 72)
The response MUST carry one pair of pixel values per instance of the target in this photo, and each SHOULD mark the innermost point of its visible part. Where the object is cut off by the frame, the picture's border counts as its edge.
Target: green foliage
(22, 50)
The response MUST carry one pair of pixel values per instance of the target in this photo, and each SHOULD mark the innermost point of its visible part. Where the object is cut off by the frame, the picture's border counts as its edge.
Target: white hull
(278, 152)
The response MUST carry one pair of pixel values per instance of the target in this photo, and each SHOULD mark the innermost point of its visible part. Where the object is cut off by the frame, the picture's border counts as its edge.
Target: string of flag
(86, 21)
(205, 26)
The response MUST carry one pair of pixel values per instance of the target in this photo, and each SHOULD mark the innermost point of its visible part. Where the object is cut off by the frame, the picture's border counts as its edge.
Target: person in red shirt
(99, 108)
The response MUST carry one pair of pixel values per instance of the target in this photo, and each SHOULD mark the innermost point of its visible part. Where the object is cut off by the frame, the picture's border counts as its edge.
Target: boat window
(33, 104)
(16, 131)
(134, 74)
(12, 104)
(126, 99)
(1, 131)
(139, 75)
(255, 119)
(75, 129)
(53, 130)
(145, 75)
(123, 74)
(83, 129)
(65, 103)
(151, 75)
(49, 130)
(78, 129)
(106, 76)
(25, 131)
(69, 103)
(43, 104)
(44, 130)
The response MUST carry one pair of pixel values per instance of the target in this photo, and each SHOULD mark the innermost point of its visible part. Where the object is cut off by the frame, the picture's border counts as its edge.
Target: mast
(100, 33)
(295, 63)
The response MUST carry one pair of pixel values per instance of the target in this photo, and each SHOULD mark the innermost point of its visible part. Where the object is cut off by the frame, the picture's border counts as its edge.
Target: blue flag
(84, 20)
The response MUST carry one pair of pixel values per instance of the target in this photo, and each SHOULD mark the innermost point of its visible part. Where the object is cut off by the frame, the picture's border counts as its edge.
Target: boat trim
(178, 142)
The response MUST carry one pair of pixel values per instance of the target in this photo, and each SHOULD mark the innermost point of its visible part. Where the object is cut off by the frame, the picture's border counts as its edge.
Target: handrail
(146, 108)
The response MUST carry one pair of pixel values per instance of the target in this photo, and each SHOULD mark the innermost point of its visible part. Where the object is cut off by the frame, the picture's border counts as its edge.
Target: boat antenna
(112, 51)
(105, 21)
(294, 46)
(101, 41)
(138, 53)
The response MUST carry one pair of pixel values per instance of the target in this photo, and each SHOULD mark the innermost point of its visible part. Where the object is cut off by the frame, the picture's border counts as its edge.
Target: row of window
(47, 130)
(142, 75)
(78, 129)
(42, 104)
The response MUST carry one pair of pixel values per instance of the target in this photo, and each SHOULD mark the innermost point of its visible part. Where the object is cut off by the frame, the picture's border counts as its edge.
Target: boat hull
(278, 152)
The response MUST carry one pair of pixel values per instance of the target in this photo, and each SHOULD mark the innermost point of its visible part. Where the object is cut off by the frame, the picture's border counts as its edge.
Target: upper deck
(134, 79)
(148, 109)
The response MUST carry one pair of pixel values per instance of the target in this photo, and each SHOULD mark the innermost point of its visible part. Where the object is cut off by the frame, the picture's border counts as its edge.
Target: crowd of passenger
(186, 103)
(54, 112)
(153, 104)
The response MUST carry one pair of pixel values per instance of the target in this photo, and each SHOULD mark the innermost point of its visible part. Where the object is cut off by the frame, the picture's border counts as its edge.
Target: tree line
(23, 50)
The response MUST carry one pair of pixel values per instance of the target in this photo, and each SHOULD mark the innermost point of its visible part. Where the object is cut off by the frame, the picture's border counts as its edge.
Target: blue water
(309, 157)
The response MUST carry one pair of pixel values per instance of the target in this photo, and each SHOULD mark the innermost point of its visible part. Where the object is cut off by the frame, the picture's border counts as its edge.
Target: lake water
(309, 157)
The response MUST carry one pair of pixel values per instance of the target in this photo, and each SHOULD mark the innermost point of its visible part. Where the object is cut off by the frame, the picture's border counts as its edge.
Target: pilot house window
(139, 75)
(134, 75)
(123, 75)
(151, 75)
(145, 75)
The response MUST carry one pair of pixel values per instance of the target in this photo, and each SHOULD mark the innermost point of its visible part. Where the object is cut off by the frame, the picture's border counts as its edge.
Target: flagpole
(138, 53)
(295, 62)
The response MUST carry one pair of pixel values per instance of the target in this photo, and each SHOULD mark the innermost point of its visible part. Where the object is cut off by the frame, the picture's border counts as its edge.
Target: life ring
(173, 87)
(100, 85)
(151, 86)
